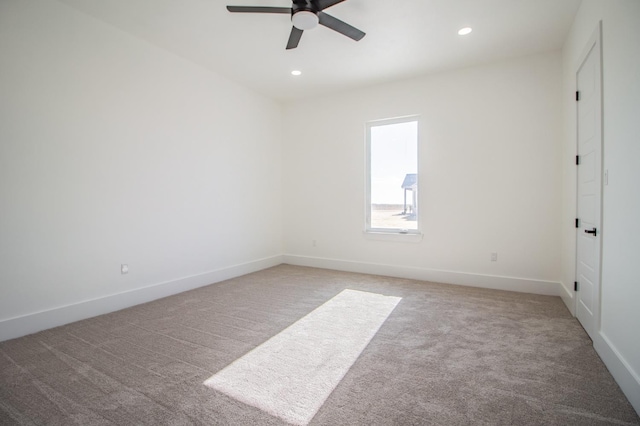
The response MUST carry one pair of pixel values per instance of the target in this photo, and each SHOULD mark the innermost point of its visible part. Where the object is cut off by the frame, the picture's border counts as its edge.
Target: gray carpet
(447, 355)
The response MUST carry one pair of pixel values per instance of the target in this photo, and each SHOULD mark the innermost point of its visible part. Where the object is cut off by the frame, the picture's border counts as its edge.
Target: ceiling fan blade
(339, 26)
(294, 38)
(324, 4)
(259, 9)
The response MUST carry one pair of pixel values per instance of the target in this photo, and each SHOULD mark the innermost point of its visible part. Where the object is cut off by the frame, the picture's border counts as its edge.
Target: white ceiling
(405, 38)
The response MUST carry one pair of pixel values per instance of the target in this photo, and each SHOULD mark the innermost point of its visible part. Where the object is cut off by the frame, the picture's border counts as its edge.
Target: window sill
(393, 236)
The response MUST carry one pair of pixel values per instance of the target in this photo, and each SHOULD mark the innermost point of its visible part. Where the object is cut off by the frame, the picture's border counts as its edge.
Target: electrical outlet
(494, 257)
(124, 268)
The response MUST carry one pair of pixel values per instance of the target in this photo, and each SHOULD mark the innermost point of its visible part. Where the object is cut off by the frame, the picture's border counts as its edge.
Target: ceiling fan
(305, 15)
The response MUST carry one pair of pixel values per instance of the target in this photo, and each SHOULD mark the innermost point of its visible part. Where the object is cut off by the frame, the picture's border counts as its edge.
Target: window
(392, 176)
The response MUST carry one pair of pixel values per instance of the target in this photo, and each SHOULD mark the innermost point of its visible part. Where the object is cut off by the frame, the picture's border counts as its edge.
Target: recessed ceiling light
(296, 72)
(465, 31)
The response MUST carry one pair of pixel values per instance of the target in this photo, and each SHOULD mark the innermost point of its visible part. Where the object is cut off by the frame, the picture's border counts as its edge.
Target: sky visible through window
(394, 154)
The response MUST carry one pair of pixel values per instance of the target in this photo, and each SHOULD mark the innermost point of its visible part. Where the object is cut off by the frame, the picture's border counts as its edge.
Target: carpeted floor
(447, 355)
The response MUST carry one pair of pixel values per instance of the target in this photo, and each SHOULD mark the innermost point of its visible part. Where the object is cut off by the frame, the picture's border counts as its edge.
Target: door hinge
(577, 95)
(577, 160)
(575, 286)
(577, 223)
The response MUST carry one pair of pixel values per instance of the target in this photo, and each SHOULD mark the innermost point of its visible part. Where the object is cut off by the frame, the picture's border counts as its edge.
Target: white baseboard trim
(627, 379)
(37, 321)
(523, 285)
(568, 297)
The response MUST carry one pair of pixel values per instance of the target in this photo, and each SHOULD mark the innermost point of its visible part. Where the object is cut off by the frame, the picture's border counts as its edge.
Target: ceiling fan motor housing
(308, 5)
(304, 14)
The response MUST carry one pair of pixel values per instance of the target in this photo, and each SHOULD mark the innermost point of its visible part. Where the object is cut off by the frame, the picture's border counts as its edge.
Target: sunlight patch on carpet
(292, 374)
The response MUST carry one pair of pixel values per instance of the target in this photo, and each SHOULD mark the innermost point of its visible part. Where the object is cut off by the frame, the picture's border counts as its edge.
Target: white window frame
(390, 233)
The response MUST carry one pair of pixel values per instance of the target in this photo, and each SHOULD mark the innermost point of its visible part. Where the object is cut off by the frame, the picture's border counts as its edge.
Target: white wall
(114, 151)
(489, 177)
(618, 341)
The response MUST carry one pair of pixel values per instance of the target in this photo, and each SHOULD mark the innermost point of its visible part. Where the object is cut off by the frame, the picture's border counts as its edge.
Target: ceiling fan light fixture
(305, 20)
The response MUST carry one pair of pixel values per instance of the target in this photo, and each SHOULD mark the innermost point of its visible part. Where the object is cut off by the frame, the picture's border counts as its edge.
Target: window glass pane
(394, 176)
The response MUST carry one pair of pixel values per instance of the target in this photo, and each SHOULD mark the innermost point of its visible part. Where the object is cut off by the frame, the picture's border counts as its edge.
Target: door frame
(594, 44)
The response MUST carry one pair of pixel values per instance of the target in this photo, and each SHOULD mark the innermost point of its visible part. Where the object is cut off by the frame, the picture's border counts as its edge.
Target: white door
(589, 130)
